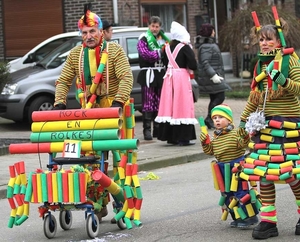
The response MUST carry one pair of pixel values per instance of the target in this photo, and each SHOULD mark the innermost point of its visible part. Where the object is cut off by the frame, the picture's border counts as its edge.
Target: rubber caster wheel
(92, 227)
(50, 226)
(65, 219)
(121, 224)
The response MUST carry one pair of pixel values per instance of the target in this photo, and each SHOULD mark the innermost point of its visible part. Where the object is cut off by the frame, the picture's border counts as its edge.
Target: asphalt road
(179, 206)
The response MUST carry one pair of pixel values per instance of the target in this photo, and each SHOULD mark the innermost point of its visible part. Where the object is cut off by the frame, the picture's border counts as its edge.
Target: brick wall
(128, 12)
(2, 57)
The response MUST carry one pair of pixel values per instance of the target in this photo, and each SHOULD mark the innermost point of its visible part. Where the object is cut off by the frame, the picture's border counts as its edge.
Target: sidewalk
(151, 154)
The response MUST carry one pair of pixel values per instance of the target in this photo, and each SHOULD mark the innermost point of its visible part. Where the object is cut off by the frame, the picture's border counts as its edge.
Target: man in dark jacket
(150, 78)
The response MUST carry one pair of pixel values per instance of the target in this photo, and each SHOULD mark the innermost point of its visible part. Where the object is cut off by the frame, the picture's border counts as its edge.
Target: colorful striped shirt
(227, 147)
(120, 75)
(284, 103)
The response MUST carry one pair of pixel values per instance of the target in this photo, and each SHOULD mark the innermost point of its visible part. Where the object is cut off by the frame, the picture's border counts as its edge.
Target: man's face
(107, 33)
(154, 28)
(91, 36)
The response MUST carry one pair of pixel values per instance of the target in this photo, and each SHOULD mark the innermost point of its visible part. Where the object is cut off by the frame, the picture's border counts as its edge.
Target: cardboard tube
(236, 214)
(291, 151)
(59, 187)
(82, 185)
(83, 135)
(292, 133)
(219, 177)
(277, 158)
(76, 114)
(258, 171)
(275, 146)
(241, 213)
(44, 187)
(250, 210)
(285, 176)
(254, 178)
(54, 187)
(289, 125)
(234, 183)
(88, 124)
(232, 203)
(272, 178)
(224, 215)
(264, 157)
(286, 164)
(267, 138)
(34, 188)
(244, 176)
(252, 195)
(274, 123)
(65, 187)
(49, 187)
(227, 177)
(71, 186)
(245, 199)
(273, 172)
(222, 200)
(76, 187)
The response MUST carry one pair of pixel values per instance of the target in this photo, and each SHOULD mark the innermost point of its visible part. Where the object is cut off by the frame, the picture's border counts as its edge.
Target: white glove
(217, 79)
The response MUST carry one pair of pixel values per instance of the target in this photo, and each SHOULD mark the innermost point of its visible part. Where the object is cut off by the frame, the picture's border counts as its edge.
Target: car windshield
(59, 55)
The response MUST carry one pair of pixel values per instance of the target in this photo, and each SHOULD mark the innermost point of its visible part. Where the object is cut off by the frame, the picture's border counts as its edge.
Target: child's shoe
(244, 224)
(234, 223)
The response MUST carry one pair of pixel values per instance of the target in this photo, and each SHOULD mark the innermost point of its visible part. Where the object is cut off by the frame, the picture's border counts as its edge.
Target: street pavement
(150, 154)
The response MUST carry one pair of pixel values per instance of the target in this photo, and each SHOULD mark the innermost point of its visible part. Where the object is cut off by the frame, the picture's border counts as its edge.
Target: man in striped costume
(99, 83)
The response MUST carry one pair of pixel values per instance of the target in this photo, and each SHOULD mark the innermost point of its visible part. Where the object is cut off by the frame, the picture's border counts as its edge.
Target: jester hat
(89, 19)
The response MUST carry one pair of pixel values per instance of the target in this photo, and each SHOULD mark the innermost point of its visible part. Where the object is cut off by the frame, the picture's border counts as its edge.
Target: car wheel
(40, 104)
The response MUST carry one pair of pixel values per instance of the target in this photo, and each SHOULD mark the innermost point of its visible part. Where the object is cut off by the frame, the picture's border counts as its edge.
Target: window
(167, 13)
(132, 52)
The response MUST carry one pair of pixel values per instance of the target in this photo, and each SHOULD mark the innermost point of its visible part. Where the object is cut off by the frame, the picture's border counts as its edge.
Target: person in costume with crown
(104, 77)
(274, 98)
(150, 47)
(228, 146)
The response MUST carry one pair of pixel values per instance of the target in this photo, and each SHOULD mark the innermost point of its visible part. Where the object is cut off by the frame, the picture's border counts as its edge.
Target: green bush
(4, 74)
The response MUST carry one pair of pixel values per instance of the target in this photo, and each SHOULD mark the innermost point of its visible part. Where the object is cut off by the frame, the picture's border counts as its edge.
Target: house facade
(24, 24)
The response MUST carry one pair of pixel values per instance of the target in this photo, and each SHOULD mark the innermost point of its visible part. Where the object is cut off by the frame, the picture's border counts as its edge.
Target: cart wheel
(65, 219)
(92, 227)
(50, 226)
(121, 223)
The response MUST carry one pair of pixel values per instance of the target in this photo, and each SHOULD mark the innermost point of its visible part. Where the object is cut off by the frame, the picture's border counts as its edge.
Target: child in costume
(274, 97)
(228, 146)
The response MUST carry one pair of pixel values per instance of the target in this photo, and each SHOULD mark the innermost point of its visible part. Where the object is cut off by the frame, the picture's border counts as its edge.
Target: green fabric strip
(267, 209)
(86, 67)
(152, 43)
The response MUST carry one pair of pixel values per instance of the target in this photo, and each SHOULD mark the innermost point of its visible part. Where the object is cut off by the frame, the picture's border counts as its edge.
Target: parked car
(32, 88)
(41, 50)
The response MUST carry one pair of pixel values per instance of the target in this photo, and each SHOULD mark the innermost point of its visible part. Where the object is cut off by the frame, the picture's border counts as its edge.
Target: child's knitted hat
(222, 110)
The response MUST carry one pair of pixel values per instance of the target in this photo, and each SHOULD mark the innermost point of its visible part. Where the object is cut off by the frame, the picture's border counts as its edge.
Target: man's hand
(217, 79)
(59, 106)
(278, 77)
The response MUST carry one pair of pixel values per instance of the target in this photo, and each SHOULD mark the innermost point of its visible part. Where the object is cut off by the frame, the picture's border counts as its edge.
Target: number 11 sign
(72, 148)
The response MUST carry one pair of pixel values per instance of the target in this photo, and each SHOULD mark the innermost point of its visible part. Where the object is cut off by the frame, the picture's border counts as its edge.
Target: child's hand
(204, 138)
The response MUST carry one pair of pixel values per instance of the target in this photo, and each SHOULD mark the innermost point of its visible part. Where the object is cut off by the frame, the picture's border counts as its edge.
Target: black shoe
(297, 231)
(209, 123)
(265, 230)
(172, 142)
(147, 135)
(186, 143)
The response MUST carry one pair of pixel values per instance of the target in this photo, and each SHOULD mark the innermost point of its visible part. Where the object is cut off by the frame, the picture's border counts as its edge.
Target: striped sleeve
(120, 76)
(68, 73)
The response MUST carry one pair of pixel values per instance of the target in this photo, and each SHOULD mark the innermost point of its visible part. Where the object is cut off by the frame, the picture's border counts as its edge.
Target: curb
(147, 166)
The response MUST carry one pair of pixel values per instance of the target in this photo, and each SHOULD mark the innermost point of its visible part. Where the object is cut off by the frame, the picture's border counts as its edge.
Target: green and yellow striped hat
(222, 110)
